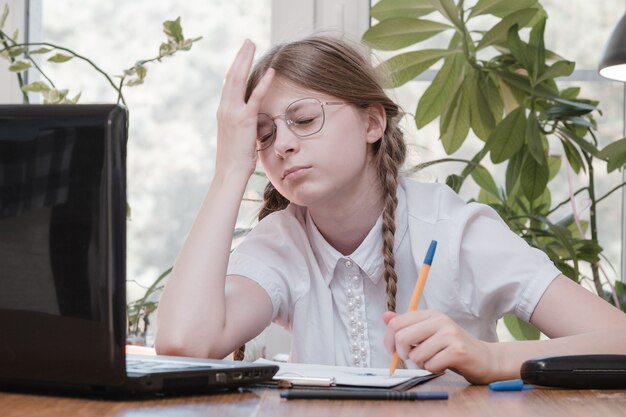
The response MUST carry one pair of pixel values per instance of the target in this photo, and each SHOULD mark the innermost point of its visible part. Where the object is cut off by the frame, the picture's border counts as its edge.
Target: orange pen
(417, 292)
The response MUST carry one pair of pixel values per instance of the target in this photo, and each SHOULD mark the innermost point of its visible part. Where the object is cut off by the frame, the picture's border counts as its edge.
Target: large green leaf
(540, 90)
(400, 32)
(439, 91)
(614, 154)
(481, 112)
(518, 49)
(573, 156)
(567, 112)
(513, 171)
(455, 123)
(588, 251)
(500, 8)
(569, 134)
(533, 138)
(387, 9)
(534, 178)
(498, 33)
(404, 67)
(485, 181)
(520, 329)
(449, 10)
(570, 93)
(508, 136)
(544, 201)
(554, 166)
(487, 198)
(492, 92)
(537, 49)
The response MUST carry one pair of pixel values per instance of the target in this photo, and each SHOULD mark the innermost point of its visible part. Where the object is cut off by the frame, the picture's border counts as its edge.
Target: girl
(317, 118)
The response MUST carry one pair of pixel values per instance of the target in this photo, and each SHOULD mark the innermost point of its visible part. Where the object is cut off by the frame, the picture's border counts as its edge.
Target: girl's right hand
(236, 119)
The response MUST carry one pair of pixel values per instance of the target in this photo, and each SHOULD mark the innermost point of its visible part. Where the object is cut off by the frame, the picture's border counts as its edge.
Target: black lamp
(613, 62)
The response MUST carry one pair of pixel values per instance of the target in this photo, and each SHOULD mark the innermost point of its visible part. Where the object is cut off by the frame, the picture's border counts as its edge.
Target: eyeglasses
(304, 117)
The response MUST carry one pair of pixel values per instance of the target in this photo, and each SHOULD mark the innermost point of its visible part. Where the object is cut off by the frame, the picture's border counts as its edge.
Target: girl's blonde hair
(335, 67)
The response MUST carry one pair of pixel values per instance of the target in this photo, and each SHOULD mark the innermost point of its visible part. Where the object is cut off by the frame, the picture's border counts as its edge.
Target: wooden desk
(465, 401)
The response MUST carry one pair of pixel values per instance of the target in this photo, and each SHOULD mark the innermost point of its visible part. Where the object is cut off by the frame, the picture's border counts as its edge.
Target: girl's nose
(286, 141)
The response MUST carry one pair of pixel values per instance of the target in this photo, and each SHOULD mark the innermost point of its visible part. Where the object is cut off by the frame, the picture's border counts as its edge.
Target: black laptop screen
(62, 240)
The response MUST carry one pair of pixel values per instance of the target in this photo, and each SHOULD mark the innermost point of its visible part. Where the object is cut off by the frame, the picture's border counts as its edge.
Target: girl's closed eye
(303, 121)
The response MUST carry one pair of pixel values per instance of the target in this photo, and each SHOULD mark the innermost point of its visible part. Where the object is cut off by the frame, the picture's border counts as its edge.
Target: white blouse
(333, 304)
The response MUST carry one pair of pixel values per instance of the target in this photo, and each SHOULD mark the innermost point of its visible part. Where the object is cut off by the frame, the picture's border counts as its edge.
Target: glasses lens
(264, 131)
(306, 116)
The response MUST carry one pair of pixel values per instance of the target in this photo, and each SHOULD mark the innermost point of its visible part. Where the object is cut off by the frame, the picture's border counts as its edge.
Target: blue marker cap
(428, 260)
(510, 385)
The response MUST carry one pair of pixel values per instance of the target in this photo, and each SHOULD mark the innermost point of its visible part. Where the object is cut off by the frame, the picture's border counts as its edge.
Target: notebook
(63, 260)
(347, 378)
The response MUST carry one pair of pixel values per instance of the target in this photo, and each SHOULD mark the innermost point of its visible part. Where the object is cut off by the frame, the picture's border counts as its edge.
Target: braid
(391, 154)
(388, 231)
(272, 201)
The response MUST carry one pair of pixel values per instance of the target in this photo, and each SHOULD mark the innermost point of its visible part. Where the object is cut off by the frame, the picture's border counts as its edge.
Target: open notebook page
(346, 375)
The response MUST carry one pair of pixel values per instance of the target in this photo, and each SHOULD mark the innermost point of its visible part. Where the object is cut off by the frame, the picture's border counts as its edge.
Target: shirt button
(348, 264)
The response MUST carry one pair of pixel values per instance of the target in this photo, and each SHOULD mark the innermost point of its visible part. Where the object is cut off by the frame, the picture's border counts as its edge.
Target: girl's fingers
(409, 337)
(429, 353)
(436, 362)
(409, 329)
(237, 74)
(254, 101)
(388, 315)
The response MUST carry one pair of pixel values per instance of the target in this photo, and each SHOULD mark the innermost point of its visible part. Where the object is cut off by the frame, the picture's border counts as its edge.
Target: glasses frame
(290, 122)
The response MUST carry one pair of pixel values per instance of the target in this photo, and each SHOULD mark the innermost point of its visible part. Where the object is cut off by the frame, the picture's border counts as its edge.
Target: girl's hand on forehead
(236, 119)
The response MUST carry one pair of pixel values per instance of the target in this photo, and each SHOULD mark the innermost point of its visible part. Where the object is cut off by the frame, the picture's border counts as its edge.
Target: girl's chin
(299, 195)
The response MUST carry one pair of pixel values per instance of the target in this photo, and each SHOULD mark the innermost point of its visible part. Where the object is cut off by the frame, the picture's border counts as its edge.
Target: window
(172, 115)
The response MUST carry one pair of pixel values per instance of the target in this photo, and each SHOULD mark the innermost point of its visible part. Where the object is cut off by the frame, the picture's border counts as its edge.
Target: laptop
(63, 262)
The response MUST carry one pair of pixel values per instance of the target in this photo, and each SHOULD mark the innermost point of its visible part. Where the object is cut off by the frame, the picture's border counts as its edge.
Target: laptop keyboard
(151, 364)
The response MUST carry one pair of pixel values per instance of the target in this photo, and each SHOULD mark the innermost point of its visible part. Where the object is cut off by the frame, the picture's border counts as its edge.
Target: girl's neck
(347, 224)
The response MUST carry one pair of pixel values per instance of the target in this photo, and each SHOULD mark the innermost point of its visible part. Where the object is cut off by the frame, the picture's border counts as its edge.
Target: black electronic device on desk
(576, 371)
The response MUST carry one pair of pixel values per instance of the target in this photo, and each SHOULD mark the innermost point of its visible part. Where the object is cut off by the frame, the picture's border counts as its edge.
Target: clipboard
(310, 376)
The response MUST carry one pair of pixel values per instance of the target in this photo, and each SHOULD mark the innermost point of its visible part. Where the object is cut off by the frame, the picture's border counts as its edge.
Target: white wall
(293, 19)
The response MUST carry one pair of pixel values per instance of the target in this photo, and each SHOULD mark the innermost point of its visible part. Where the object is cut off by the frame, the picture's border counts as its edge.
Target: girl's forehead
(282, 93)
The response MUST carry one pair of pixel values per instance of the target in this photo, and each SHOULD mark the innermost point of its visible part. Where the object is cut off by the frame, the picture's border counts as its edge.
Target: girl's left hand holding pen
(435, 342)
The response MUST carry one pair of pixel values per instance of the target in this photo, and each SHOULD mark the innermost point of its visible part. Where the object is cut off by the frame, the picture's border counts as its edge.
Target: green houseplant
(503, 88)
(21, 57)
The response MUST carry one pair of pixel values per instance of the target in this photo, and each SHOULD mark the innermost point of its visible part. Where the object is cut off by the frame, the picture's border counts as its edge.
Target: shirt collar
(368, 256)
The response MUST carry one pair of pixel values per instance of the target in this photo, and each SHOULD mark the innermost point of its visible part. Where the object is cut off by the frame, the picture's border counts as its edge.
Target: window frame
(350, 17)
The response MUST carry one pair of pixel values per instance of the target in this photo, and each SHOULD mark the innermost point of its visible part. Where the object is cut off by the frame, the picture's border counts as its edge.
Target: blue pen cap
(509, 385)
(428, 260)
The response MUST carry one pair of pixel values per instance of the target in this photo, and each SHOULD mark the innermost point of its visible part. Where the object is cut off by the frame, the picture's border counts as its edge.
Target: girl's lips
(294, 172)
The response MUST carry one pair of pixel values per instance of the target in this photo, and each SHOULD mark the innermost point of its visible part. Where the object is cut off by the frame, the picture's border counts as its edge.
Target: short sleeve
(271, 255)
(499, 272)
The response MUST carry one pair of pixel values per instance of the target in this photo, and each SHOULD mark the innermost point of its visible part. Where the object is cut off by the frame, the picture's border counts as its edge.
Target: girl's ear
(377, 122)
